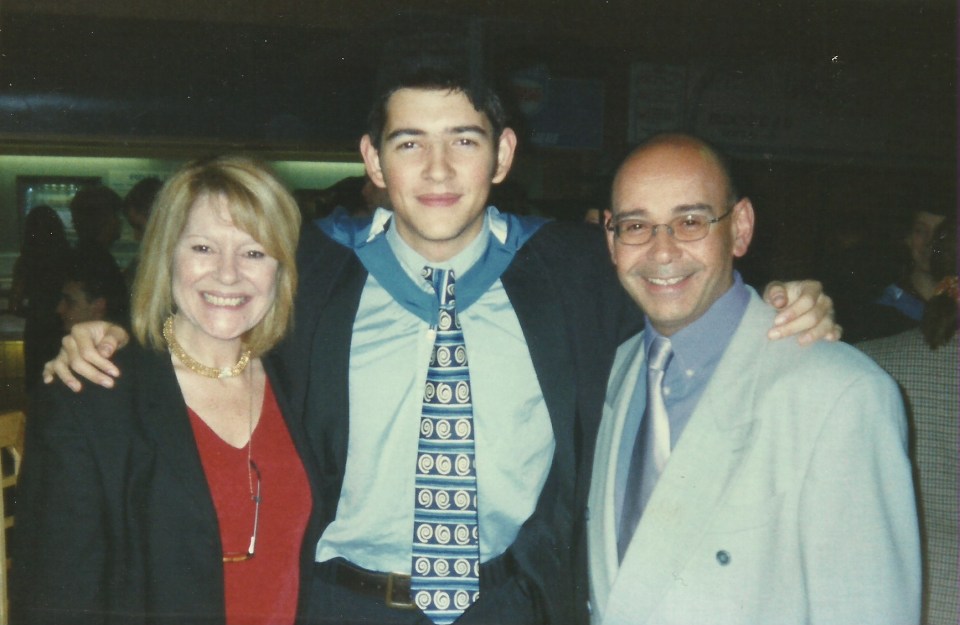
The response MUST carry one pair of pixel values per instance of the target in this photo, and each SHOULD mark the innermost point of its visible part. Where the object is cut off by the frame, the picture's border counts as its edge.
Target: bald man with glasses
(736, 480)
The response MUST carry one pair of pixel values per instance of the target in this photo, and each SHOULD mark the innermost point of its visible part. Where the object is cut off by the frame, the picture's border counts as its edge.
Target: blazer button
(723, 558)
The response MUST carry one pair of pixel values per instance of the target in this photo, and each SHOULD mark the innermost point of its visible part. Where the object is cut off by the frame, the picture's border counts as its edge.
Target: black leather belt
(394, 588)
(391, 588)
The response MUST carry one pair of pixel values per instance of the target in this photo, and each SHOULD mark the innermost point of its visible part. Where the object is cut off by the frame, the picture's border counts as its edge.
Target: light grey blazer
(787, 499)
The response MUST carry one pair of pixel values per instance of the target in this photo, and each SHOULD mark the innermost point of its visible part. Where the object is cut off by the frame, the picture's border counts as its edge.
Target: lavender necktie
(651, 450)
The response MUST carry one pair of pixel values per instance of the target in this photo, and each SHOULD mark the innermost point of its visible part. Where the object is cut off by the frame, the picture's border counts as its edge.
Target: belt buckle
(392, 581)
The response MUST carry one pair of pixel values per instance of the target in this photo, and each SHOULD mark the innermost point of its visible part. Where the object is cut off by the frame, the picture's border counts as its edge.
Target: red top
(263, 589)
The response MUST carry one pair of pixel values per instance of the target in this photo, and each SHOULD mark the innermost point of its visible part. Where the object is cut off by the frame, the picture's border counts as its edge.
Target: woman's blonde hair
(258, 204)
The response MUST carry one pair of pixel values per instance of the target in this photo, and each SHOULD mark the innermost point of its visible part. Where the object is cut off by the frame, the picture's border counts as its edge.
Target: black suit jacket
(115, 521)
(573, 314)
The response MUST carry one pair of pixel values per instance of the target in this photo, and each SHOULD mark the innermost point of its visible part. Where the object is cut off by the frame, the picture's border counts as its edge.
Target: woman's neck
(207, 350)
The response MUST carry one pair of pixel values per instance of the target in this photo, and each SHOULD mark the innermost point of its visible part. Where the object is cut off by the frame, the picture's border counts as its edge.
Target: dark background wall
(830, 109)
(299, 72)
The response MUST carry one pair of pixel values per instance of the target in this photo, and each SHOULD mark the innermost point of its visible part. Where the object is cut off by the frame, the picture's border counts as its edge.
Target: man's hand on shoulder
(86, 352)
(804, 310)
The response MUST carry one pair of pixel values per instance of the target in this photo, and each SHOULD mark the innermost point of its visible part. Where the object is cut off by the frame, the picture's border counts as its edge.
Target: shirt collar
(702, 343)
(413, 263)
(479, 265)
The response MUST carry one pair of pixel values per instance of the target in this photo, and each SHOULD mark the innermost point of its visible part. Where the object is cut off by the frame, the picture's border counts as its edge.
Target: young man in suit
(541, 315)
(736, 480)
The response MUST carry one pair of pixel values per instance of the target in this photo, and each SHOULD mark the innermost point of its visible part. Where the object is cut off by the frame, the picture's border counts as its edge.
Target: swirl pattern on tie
(446, 541)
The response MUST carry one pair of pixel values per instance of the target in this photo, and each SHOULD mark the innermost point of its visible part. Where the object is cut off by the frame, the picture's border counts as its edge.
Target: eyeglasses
(686, 228)
(243, 557)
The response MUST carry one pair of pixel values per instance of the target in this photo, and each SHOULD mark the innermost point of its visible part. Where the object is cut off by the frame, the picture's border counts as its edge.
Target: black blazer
(115, 521)
(573, 314)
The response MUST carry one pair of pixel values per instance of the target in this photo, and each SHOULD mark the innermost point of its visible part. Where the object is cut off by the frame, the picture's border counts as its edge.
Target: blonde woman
(180, 495)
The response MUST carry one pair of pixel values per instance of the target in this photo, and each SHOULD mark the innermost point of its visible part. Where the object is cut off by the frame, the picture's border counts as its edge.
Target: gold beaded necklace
(197, 367)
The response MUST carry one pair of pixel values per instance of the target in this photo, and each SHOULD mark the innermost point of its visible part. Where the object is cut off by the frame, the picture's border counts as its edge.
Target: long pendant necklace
(252, 471)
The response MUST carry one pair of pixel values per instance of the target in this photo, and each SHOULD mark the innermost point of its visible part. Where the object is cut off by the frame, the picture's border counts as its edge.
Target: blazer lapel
(704, 462)
(163, 415)
(625, 380)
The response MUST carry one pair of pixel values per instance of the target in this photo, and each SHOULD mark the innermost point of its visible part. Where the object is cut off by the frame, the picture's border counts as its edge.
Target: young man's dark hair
(432, 62)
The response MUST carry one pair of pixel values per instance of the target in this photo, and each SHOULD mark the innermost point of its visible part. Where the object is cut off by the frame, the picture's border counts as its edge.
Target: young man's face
(75, 306)
(676, 282)
(437, 160)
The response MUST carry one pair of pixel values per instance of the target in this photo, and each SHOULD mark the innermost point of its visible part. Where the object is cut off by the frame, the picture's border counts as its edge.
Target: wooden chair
(12, 426)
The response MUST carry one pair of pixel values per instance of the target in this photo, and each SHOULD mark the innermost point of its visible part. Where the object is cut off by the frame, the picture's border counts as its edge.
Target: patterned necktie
(445, 578)
(652, 447)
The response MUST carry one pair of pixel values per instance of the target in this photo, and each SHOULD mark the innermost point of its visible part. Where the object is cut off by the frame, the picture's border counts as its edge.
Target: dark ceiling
(673, 28)
(301, 71)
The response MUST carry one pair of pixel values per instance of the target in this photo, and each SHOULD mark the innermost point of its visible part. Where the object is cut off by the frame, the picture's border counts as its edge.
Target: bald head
(675, 152)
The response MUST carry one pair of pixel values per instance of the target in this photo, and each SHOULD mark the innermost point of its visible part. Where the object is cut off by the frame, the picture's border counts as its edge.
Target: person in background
(537, 308)
(138, 202)
(736, 480)
(180, 496)
(592, 215)
(136, 208)
(924, 362)
(861, 258)
(374, 197)
(925, 223)
(95, 212)
(355, 195)
(38, 275)
(915, 286)
(91, 292)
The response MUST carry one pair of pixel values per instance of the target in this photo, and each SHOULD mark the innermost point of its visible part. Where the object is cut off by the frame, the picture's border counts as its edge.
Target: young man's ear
(506, 148)
(743, 219)
(371, 161)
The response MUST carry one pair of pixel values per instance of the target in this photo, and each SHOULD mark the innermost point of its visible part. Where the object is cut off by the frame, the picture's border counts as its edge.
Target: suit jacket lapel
(625, 380)
(693, 483)
(320, 262)
(326, 412)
